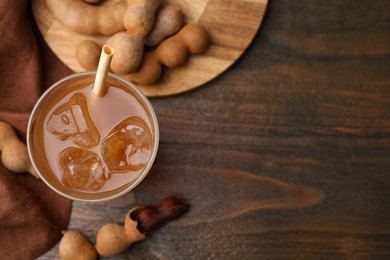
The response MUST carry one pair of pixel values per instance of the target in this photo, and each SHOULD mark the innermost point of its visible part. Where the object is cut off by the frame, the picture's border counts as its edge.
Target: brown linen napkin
(31, 215)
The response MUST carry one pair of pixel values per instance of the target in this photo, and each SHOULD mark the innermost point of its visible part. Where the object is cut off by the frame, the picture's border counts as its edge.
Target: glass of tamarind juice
(91, 148)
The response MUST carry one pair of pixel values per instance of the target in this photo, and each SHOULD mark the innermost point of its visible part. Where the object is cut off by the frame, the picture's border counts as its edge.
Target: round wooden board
(232, 25)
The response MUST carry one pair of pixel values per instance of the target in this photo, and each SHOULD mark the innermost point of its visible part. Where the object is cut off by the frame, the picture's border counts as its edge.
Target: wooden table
(285, 155)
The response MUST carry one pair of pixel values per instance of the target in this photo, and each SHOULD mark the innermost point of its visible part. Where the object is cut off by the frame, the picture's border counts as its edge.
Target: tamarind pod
(195, 37)
(149, 71)
(129, 50)
(75, 245)
(88, 54)
(111, 240)
(172, 52)
(140, 16)
(169, 20)
(84, 18)
(14, 154)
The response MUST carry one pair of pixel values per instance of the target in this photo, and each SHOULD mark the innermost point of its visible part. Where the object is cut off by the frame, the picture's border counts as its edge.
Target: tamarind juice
(92, 148)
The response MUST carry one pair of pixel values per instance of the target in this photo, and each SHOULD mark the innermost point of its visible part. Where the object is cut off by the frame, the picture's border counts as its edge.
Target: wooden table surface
(286, 154)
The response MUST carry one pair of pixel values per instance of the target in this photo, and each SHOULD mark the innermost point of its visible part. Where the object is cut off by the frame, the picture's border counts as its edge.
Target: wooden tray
(232, 25)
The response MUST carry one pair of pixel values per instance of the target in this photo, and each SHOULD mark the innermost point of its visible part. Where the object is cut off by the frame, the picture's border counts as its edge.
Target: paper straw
(99, 87)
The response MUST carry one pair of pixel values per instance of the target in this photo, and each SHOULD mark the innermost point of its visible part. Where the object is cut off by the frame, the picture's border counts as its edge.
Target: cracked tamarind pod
(140, 222)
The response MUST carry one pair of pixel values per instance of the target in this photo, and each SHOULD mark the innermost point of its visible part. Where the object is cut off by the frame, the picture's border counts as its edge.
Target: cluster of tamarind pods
(112, 239)
(131, 25)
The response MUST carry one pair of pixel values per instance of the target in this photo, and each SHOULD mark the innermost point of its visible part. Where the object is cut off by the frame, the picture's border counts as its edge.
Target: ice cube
(82, 169)
(71, 120)
(127, 146)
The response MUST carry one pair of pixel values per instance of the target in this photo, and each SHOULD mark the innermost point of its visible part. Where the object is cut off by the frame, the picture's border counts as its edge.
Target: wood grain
(284, 156)
(231, 25)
